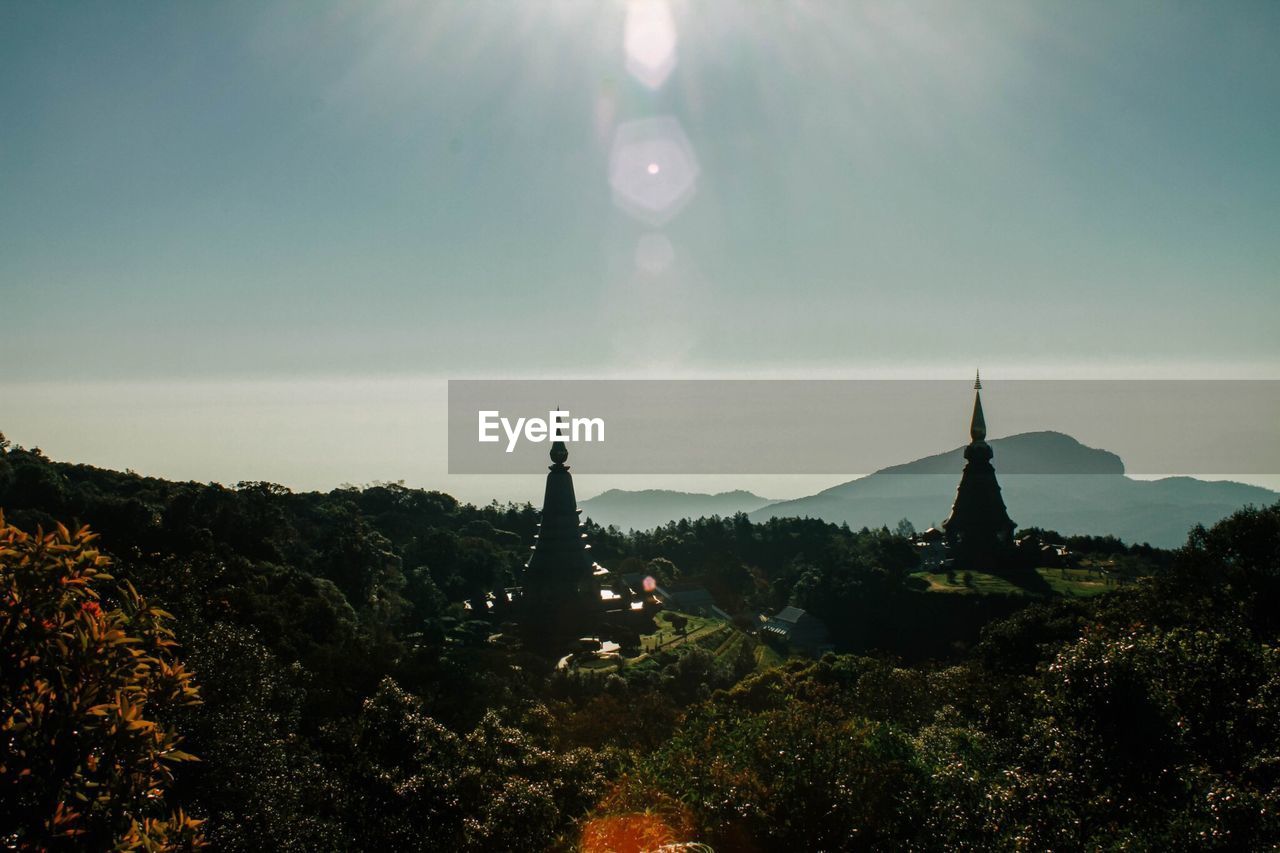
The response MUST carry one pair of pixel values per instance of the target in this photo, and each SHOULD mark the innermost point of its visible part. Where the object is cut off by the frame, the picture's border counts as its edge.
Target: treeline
(347, 701)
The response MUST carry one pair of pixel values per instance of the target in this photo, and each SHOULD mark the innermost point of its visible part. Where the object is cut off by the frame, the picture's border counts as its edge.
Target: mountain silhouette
(1048, 479)
(642, 510)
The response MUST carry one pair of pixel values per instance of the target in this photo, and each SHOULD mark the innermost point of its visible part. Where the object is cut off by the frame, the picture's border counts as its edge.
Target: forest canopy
(305, 674)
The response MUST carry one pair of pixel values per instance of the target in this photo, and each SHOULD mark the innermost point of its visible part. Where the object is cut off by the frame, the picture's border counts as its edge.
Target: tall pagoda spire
(979, 529)
(561, 592)
(978, 426)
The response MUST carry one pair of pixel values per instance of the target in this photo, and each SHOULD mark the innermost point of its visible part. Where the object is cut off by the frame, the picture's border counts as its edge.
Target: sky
(254, 240)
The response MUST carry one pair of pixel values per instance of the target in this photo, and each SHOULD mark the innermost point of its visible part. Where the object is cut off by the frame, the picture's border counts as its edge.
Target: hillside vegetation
(331, 693)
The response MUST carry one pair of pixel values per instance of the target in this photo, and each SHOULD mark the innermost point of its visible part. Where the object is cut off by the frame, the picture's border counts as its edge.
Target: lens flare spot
(653, 170)
(649, 38)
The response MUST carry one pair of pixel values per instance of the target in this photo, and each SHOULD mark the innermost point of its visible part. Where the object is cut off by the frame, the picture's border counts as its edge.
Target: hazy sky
(225, 207)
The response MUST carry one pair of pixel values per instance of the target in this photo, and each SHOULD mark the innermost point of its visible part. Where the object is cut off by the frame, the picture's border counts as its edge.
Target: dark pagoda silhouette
(561, 601)
(561, 591)
(979, 531)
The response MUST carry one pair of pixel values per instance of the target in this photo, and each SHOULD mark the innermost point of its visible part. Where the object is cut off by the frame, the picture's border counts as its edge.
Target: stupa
(979, 530)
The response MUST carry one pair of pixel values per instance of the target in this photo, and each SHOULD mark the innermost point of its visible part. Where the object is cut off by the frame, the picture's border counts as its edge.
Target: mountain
(650, 508)
(1094, 498)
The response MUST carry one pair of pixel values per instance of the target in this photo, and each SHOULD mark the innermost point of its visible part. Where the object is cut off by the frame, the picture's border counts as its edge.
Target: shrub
(88, 670)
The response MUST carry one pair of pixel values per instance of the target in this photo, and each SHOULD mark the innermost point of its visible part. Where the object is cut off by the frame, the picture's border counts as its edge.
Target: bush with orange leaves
(86, 668)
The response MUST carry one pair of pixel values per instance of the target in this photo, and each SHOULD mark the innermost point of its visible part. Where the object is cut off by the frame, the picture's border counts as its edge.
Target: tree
(802, 776)
(479, 568)
(427, 788)
(663, 570)
(88, 673)
(260, 786)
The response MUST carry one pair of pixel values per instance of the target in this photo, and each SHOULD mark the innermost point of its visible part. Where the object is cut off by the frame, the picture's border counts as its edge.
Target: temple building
(561, 589)
(563, 595)
(979, 531)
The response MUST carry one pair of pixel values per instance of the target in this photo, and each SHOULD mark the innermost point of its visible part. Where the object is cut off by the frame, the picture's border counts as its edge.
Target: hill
(1096, 497)
(644, 510)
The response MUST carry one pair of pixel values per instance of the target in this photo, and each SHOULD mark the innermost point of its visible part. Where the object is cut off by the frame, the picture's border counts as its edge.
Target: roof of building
(795, 625)
(789, 614)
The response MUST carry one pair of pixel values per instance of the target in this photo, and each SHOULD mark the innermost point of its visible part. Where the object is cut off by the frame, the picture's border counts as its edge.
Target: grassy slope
(1064, 582)
(715, 635)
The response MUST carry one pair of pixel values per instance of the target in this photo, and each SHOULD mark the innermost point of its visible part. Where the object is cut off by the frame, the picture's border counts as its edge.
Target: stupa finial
(978, 426)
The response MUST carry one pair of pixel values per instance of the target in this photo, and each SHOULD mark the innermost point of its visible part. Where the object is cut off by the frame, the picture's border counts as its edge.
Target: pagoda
(561, 590)
(979, 531)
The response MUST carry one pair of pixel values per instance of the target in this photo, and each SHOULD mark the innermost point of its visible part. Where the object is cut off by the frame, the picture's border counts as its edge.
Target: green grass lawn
(982, 584)
(717, 636)
(602, 665)
(767, 657)
(670, 638)
(1076, 582)
(730, 643)
(1065, 582)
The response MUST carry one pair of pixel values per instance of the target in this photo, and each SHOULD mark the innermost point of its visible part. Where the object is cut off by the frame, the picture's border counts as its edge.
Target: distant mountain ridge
(648, 508)
(1044, 452)
(1048, 479)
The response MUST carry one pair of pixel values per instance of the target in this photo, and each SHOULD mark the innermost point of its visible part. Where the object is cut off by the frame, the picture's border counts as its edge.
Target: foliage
(260, 782)
(801, 774)
(89, 674)
(350, 701)
(491, 789)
